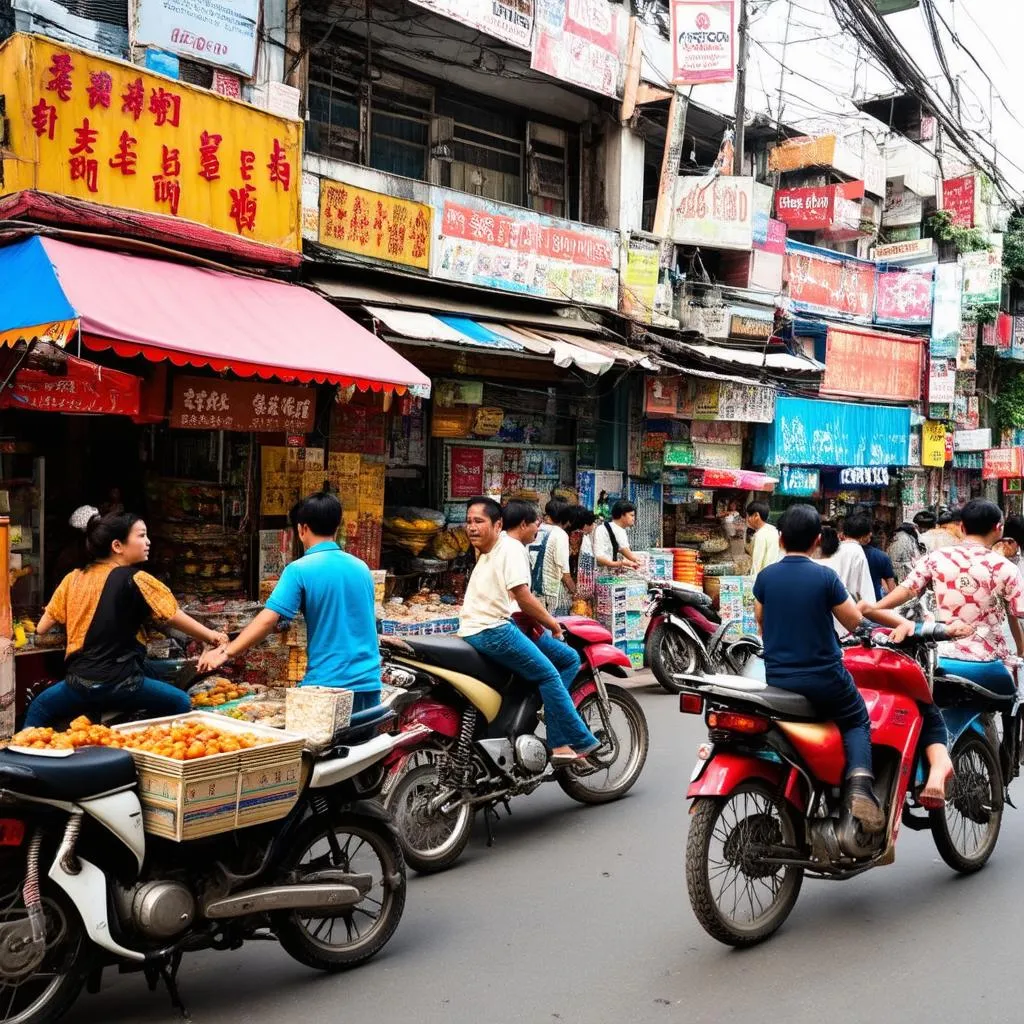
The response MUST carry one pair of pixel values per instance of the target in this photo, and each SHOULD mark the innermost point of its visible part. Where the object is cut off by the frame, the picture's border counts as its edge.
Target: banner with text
(703, 42)
(580, 42)
(511, 21)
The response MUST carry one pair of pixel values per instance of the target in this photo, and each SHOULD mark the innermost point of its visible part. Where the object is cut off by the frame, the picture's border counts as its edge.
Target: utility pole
(741, 91)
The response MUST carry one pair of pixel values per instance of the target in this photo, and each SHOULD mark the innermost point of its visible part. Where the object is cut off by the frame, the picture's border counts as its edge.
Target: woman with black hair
(103, 607)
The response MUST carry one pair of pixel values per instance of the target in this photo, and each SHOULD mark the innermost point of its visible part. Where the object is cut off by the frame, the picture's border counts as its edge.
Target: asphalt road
(580, 915)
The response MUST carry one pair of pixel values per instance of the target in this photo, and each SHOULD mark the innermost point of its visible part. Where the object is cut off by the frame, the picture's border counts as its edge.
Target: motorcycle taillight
(12, 832)
(733, 721)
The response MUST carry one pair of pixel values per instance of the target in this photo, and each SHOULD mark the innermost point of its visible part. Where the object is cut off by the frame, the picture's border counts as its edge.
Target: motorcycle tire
(762, 808)
(578, 782)
(419, 783)
(306, 945)
(670, 651)
(976, 792)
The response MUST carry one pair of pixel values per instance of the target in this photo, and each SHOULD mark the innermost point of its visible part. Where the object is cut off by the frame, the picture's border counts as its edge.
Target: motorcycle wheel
(352, 843)
(967, 828)
(609, 773)
(740, 653)
(670, 651)
(431, 841)
(737, 899)
(45, 993)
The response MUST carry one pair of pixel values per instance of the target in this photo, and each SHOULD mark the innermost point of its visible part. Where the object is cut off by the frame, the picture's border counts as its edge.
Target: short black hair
(857, 526)
(622, 508)
(924, 520)
(1013, 529)
(949, 516)
(800, 527)
(554, 507)
(102, 531)
(517, 512)
(321, 512)
(758, 508)
(491, 508)
(981, 517)
(829, 541)
(575, 517)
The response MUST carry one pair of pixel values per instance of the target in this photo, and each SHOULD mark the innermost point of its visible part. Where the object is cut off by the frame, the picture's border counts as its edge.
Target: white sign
(219, 32)
(864, 476)
(942, 381)
(972, 440)
(716, 213)
(703, 42)
(904, 252)
(508, 20)
(902, 207)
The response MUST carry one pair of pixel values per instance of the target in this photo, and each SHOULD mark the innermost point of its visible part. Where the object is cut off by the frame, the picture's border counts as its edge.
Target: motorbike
(767, 808)
(84, 887)
(686, 636)
(483, 747)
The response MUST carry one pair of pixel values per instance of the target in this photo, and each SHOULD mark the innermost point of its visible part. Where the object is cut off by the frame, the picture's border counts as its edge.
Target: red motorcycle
(767, 808)
(483, 748)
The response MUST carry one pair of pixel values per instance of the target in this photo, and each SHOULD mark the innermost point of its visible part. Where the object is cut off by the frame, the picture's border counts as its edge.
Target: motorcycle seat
(456, 655)
(87, 772)
(783, 703)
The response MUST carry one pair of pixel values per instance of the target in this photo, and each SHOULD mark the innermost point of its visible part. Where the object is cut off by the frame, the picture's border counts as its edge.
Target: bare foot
(933, 795)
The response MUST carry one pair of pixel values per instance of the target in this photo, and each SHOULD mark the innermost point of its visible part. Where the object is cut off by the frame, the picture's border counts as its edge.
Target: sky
(824, 71)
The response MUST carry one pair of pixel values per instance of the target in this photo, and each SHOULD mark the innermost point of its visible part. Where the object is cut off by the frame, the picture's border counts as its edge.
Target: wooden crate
(184, 800)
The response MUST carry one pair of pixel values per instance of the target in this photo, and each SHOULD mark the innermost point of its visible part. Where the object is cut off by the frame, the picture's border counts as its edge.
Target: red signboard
(769, 235)
(826, 284)
(813, 209)
(86, 388)
(1002, 464)
(904, 296)
(741, 479)
(205, 403)
(958, 199)
(662, 396)
(869, 364)
(467, 472)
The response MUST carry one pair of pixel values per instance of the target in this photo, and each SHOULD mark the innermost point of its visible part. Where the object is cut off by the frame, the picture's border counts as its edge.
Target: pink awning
(198, 317)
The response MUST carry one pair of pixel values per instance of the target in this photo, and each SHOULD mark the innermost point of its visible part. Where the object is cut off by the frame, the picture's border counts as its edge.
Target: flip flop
(932, 803)
(563, 760)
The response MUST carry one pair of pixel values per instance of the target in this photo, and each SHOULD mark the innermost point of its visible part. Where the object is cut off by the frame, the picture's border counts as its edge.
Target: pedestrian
(945, 533)
(611, 542)
(904, 550)
(551, 511)
(766, 538)
(551, 577)
(858, 528)
(498, 586)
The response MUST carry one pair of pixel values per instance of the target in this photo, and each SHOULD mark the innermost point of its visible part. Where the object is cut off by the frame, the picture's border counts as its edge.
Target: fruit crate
(183, 800)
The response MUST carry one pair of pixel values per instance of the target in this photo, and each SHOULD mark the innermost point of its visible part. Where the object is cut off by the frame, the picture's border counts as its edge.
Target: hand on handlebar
(904, 630)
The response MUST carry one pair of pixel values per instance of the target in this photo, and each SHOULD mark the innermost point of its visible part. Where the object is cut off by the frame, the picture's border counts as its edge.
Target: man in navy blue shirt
(796, 599)
(334, 591)
(858, 527)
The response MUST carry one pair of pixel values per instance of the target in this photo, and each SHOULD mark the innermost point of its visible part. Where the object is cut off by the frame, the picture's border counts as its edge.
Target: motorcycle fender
(581, 693)
(686, 628)
(725, 771)
(437, 717)
(88, 891)
(607, 657)
(656, 620)
(353, 760)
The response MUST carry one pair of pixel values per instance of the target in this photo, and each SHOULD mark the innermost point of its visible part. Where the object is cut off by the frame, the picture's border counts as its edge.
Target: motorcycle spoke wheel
(737, 897)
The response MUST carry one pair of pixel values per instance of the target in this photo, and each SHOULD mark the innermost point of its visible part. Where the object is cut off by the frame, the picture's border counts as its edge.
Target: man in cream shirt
(766, 537)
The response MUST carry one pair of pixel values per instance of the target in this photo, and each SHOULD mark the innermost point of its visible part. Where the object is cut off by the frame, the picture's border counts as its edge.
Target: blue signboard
(799, 482)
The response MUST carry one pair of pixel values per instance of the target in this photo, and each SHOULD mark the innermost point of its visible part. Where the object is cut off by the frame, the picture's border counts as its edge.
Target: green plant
(962, 239)
(981, 315)
(1010, 403)
(1013, 248)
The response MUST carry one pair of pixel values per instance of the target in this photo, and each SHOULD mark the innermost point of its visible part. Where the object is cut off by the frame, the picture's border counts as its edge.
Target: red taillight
(733, 721)
(691, 703)
(12, 832)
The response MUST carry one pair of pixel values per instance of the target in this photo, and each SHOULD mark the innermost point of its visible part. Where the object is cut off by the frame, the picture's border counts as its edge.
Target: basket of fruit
(217, 692)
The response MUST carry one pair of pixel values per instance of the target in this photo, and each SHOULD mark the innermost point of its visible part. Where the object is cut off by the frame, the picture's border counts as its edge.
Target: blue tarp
(813, 433)
(480, 334)
(32, 301)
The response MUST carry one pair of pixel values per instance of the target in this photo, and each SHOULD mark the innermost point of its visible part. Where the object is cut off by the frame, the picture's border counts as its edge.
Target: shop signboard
(799, 482)
(816, 209)
(703, 42)
(990, 334)
(947, 315)
(967, 350)
(580, 42)
(864, 476)
(511, 21)
(1014, 486)
(904, 297)
(902, 207)
(905, 252)
(1003, 463)
(511, 249)
(727, 400)
(641, 270)
(941, 381)
(822, 281)
(679, 453)
(84, 387)
(205, 403)
(967, 412)
(933, 443)
(662, 396)
(107, 132)
(466, 472)
(983, 278)
(958, 198)
(869, 364)
(769, 235)
(716, 432)
(717, 456)
(751, 324)
(978, 440)
(224, 33)
(375, 225)
(717, 213)
(795, 154)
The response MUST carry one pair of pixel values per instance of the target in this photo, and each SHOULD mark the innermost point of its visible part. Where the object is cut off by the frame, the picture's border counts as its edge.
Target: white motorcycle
(83, 887)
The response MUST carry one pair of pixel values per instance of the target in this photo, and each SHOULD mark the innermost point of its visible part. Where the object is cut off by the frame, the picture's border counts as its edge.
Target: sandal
(934, 803)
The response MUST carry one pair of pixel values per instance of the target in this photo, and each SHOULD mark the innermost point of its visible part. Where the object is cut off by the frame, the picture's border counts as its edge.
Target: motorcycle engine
(835, 839)
(160, 910)
(531, 754)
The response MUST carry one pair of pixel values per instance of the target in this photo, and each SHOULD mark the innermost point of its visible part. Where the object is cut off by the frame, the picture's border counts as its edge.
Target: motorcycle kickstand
(491, 811)
(167, 972)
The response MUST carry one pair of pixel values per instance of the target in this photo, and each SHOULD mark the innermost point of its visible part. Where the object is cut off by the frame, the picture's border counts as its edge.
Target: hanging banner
(958, 200)
(84, 387)
(983, 278)
(977, 440)
(933, 443)
(204, 403)
(864, 476)
(107, 132)
(1002, 464)
(703, 42)
(798, 482)
(872, 365)
(904, 297)
(580, 42)
(511, 21)
(941, 381)
(467, 472)
(821, 281)
(947, 310)
(717, 213)
(990, 334)
(640, 279)
(662, 396)
(914, 250)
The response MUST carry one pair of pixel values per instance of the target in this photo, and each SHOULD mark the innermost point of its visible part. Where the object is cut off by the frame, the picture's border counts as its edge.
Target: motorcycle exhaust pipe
(284, 897)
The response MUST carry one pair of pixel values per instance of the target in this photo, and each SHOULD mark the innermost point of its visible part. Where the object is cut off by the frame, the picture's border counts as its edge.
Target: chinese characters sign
(84, 388)
(580, 42)
(904, 296)
(375, 225)
(511, 21)
(207, 403)
(94, 129)
(872, 365)
(703, 45)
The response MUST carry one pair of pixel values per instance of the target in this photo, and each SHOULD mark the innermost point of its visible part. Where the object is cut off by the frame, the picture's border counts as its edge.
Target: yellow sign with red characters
(375, 225)
(97, 129)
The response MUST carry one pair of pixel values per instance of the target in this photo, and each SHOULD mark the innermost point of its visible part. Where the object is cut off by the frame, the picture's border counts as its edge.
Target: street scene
(510, 510)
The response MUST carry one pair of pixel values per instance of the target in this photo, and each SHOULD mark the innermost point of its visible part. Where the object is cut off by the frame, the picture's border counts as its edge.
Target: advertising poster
(904, 297)
(511, 21)
(580, 42)
(703, 42)
(718, 212)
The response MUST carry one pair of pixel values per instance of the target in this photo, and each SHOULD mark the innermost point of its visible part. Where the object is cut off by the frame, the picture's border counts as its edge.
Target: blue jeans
(511, 648)
(561, 655)
(60, 703)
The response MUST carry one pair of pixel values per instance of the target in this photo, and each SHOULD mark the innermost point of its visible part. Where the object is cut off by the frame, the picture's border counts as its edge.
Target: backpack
(537, 566)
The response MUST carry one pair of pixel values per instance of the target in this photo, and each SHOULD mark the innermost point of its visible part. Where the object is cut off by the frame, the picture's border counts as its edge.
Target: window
(487, 150)
(547, 149)
(333, 105)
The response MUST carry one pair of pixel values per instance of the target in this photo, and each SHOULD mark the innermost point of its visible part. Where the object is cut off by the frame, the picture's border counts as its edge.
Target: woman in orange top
(103, 607)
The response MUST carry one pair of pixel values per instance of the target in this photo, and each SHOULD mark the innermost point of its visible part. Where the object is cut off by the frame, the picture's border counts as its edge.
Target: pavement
(579, 915)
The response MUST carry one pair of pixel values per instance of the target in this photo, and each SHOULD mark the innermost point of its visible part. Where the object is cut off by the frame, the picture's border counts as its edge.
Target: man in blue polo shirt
(334, 591)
